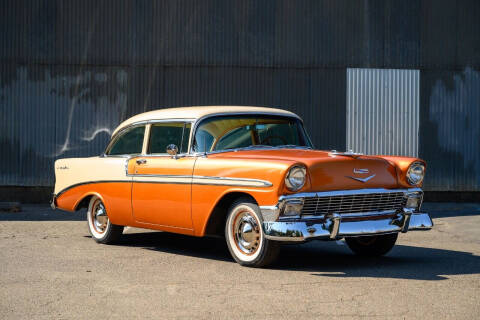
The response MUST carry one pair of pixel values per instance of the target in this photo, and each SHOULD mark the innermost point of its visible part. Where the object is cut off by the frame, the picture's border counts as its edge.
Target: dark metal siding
(47, 112)
(112, 59)
(450, 130)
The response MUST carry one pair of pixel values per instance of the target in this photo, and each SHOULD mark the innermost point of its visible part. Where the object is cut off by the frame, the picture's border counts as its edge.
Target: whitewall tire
(99, 226)
(245, 237)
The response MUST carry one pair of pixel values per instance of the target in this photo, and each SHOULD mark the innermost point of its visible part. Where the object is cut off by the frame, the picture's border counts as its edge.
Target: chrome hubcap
(99, 217)
(246, 233)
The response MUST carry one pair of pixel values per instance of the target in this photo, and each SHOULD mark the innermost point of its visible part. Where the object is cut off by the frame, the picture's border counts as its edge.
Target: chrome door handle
(141, 161)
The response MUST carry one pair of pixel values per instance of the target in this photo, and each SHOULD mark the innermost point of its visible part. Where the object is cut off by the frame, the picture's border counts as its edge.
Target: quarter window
(163, 134)
(129, 142)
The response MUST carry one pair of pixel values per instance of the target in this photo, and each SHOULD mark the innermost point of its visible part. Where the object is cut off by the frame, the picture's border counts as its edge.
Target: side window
(130, 142)
(163, 134)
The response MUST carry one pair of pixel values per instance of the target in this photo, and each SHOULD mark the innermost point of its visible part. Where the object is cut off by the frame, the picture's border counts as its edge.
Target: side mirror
(172, 149)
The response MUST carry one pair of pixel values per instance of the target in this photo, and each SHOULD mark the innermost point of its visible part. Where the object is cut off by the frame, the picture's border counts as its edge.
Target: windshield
(244, 131)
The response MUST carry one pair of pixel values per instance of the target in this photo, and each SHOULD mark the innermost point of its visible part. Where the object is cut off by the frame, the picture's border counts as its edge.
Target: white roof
(193, 113)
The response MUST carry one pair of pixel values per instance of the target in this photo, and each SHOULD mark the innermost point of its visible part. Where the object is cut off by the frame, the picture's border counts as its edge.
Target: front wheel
(372, 246)
(100, 227)
(245, 237)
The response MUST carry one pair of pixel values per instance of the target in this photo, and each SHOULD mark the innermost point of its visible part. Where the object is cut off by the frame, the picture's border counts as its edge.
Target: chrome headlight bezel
(296, 178)
(415, 173)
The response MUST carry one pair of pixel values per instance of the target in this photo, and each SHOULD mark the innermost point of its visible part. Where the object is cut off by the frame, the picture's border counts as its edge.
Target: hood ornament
(348, 153)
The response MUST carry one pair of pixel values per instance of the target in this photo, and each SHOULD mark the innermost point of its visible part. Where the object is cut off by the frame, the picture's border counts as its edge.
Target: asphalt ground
(50, 268)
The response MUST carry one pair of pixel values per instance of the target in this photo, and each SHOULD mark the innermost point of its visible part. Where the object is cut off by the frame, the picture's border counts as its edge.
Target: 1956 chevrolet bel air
(250, 174)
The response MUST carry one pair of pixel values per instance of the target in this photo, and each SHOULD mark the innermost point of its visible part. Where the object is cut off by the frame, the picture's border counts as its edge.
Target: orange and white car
(248, 173)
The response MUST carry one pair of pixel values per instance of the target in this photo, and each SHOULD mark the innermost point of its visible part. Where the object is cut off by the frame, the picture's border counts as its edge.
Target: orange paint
(177, 205)
(158, 199)
(115, 196)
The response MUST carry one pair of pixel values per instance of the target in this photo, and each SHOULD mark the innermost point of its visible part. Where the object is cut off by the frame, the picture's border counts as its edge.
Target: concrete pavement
(50, 268)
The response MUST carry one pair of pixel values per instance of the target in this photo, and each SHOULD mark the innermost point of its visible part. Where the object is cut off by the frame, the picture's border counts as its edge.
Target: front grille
(354, 203)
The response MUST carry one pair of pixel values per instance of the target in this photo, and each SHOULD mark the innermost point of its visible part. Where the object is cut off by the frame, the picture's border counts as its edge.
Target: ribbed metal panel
(450, 129)
(383, 111)
(48, 113)
(108, 60)
(309, 33)
(51, 112)
(318, 96)
(94, 32)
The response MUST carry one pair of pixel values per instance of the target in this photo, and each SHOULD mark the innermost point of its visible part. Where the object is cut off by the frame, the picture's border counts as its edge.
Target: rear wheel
(100, 227)
(245, 237)
(372, 246)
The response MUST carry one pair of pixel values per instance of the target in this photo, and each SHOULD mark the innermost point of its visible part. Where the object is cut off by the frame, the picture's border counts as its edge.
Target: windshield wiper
(253, 146)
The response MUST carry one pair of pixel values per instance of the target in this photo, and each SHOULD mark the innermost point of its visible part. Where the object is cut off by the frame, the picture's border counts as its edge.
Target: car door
(162, 183)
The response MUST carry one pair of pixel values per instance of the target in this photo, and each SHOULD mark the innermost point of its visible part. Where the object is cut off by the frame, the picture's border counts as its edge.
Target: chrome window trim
(195, 123)
(146, 122)
(179, 155)
(220, 114)
(117, 135)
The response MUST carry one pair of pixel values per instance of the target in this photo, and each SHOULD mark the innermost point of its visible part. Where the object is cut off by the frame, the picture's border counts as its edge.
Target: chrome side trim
(235, 181)
(89, 182)
(205, 180)
(179, 179)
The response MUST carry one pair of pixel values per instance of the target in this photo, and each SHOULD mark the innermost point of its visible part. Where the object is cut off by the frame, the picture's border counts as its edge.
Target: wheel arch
(85, 200)
(216, 221)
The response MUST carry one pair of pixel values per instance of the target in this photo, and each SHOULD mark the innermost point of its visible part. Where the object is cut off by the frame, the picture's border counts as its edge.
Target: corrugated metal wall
(450, 129)
(383, 111)
(99, 62)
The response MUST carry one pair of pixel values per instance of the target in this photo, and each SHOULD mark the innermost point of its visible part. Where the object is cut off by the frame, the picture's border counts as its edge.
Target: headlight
(415, 173)
(295, 178)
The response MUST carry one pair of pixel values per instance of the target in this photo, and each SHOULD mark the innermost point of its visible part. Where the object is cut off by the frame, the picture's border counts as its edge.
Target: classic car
(250, 174)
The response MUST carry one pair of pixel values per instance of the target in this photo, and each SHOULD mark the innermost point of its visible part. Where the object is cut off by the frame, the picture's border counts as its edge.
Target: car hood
(327, 171)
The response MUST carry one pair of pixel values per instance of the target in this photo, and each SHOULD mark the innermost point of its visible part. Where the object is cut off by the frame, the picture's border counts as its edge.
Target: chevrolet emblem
(362, 179)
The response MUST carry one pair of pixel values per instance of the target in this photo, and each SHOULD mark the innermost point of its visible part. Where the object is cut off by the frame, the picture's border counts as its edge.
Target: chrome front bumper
(333, 227)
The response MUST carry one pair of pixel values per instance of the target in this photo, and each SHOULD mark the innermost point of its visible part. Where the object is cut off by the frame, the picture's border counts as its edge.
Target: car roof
(194, 113)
